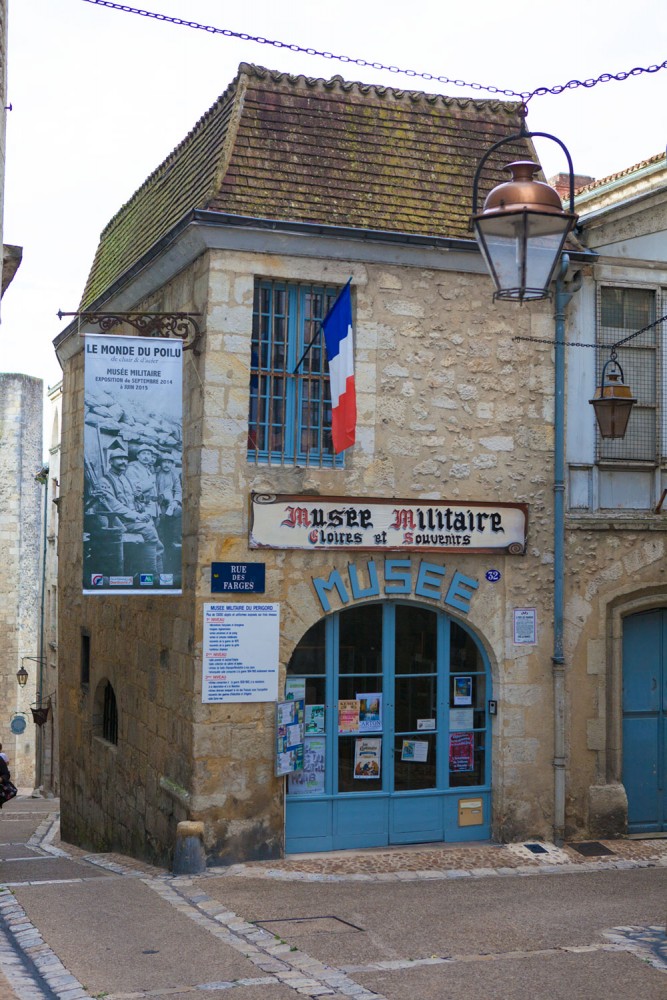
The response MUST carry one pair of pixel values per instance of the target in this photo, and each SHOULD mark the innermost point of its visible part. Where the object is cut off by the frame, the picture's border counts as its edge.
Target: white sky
(100, 97)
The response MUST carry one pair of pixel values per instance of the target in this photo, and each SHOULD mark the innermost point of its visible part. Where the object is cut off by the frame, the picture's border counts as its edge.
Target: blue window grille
(289, 420)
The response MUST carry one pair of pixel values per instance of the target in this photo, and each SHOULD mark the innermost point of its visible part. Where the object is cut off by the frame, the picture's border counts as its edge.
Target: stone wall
(450, 406)
(129, 796)
(21, 539)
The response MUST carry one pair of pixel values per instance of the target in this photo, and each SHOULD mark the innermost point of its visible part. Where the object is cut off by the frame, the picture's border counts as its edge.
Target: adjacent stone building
(20, 581)
(616, 588)
(413, 574)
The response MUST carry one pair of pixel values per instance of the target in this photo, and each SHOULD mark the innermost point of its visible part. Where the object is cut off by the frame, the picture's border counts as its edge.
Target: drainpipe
(563, 295)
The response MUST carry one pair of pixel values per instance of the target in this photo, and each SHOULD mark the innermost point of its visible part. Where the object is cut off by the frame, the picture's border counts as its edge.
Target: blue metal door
(645, 720)
(396, 731)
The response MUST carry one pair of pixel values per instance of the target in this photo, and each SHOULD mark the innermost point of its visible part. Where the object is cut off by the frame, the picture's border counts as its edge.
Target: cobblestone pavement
(31, 970)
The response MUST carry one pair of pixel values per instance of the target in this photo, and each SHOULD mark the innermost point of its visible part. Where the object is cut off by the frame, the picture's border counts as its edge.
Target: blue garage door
(645, 720)
(398, 744)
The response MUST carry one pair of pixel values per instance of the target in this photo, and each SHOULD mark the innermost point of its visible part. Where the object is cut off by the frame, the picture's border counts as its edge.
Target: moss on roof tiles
(297, 148)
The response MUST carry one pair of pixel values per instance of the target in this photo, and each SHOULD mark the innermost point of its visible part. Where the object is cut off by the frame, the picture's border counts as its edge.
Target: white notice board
(240, 652)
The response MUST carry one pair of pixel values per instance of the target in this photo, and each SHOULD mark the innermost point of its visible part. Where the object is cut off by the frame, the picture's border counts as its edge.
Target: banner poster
(133, 449)
(240, 662)
(310, 781)
(289, 737)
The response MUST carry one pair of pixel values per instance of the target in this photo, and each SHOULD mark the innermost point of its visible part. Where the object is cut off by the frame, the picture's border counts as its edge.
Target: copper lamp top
(523, 192)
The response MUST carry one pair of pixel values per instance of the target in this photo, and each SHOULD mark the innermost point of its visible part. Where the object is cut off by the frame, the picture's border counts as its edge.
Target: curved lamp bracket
(513, 138)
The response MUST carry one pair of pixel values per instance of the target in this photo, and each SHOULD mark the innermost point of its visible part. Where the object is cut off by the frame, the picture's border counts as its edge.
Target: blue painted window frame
(289, 417)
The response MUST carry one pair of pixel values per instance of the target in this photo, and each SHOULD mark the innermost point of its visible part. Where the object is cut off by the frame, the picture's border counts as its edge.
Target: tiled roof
(330, 152)
(627, 172)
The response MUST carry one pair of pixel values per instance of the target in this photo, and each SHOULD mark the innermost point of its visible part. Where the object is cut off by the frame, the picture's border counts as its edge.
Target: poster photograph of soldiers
(133, 447)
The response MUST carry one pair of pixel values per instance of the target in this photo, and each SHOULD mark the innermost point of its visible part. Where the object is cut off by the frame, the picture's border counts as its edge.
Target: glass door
(396, 731)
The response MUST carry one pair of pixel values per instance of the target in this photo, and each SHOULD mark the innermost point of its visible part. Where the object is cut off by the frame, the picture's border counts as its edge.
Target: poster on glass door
(367, 758)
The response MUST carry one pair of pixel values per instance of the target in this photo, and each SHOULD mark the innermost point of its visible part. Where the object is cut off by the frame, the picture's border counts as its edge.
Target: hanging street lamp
(612, 400)
(22, 676)
(522, 228)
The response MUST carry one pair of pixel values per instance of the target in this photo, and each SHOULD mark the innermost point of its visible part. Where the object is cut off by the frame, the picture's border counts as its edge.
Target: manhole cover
(292, 925)
(591, 849)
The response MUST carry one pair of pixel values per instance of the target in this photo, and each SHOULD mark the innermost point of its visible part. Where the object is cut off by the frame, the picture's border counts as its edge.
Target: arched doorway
(398, 745)
(645, 720)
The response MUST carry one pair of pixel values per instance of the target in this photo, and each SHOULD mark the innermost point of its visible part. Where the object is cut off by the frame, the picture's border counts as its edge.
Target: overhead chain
(523, 95)
(596, 347)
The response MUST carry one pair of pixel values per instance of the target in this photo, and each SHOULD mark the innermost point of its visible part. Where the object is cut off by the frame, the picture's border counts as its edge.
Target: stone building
(616, 588)
(413, 574)
(20, 581)
(47, 756)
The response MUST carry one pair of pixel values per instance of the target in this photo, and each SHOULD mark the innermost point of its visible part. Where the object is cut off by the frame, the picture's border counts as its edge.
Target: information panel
(240, 653)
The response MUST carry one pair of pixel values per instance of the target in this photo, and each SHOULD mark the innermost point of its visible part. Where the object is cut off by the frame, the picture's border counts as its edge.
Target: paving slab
(263, 991)
(17, 830)
(412, 920)
(118, 936)
(46, 868)
(9, 852)
(565, 976)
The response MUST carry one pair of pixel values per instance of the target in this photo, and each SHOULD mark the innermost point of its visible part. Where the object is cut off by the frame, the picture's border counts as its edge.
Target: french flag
(339, 339)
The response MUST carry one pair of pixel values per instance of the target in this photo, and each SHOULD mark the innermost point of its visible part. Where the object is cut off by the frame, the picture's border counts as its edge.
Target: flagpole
(319, 332)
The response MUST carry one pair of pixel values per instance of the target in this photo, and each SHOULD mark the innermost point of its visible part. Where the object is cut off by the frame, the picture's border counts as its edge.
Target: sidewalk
(75, 925)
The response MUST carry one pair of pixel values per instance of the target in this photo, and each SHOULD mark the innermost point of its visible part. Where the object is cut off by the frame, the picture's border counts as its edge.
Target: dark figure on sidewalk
(7, 789)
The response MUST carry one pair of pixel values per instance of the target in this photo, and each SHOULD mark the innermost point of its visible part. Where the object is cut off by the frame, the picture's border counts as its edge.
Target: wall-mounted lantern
(612, 400)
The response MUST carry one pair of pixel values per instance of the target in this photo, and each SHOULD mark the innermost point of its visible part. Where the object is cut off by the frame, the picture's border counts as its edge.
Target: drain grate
(536, 848)
(284, 926)
(591, 849)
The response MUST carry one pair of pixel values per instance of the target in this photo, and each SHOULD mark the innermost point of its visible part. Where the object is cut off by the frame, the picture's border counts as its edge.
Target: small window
(109, 715)
(289, 420)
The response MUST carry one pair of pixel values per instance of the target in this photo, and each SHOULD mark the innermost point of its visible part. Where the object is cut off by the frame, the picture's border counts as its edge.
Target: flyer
(314, 719)
(462, 752)
(348, 716)
(295, 687)
(370, 712)
(463, 690)
(310, 780)
(460, 719)
(367, 758)
(525, 626)
(415, 750)
(289, 736)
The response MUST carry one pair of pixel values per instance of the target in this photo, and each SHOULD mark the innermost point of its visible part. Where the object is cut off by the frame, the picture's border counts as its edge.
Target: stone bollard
(189, 854)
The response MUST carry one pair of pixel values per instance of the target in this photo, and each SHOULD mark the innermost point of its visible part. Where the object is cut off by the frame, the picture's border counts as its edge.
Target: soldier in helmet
(170, 497)
(118, 496)
(141, 473)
